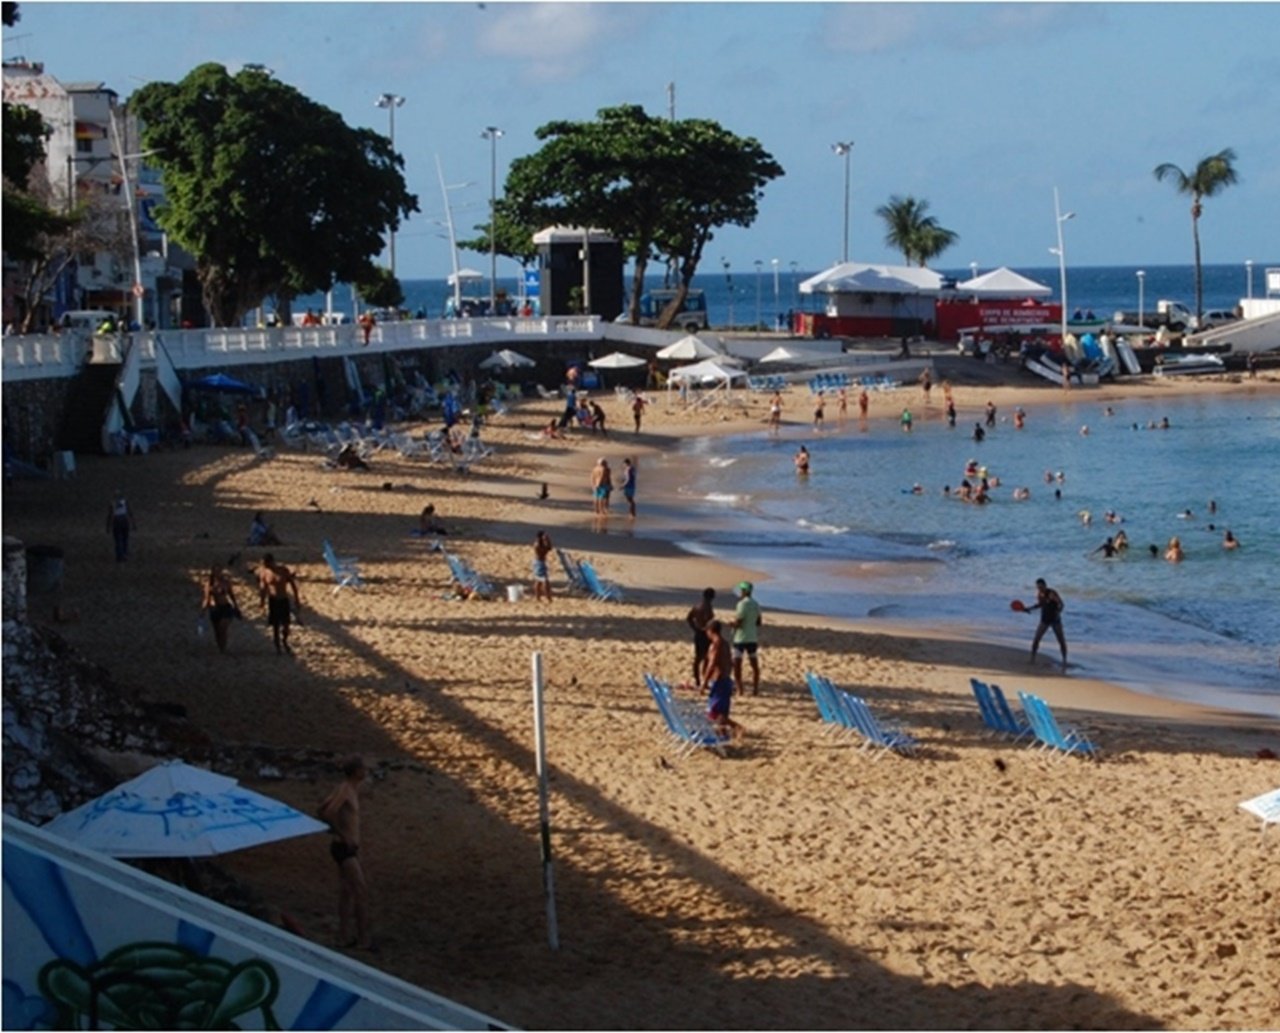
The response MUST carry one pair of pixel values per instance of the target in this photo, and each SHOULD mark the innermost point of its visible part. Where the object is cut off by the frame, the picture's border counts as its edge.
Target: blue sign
(531, 283)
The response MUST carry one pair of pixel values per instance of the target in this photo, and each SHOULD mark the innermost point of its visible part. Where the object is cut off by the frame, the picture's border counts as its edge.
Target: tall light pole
(844, 149)
(973, 270)
(728, 282)
(1248, 275)
(759, 266)
(1142, 281)
(493, 134)
(795, 288)
(776, 313)
(1060, 217)
(391, 101)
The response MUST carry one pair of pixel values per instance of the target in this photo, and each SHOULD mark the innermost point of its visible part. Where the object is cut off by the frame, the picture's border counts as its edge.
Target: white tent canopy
(862, 277)
(689, 347)
(616, 360)
(177, 810)
(506, 359)
(1004, 283)
(463, 275)
(707, 371)
(790, 353)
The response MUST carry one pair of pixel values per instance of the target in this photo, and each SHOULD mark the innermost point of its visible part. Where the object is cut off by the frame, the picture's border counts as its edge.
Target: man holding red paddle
(1050, 605)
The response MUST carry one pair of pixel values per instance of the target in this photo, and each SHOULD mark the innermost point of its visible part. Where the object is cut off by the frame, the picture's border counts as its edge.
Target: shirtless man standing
(341, 811)
(275, 581)
(717, 682)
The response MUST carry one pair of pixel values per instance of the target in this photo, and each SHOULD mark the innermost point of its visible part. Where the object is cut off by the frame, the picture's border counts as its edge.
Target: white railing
(48, 356)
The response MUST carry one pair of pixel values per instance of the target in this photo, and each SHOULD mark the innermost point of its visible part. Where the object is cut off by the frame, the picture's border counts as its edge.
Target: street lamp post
(391, 101)
(973, 270)
(759, 266)
(1248, 274)
(1060, 217)
(844, 149)
(795, 289)
(1142, 281)
(728, 282)
(776, 313)
(493, 134)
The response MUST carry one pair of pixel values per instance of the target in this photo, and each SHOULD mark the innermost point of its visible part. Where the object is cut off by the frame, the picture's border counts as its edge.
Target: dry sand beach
(795, 883)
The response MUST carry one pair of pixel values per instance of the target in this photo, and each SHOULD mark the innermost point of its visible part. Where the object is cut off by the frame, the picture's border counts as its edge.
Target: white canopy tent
(1003, 283)
(616, 360)
(790, 353)
(689, 348)
(464, 275)
(862, 277)
(506, 359)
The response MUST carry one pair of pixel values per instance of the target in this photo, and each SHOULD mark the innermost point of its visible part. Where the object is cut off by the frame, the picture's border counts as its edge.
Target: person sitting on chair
(260, 532)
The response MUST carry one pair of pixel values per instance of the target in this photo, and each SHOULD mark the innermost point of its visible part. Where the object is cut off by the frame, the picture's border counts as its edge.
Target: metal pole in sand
(544, 817)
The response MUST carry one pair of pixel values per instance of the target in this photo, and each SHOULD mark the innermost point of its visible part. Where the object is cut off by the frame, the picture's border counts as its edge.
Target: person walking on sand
(119, 523)
(220, 604)
(541, 576)
(601, 486)
(699, 616)
(746, 636)
(844, 405)
(275, 582)
(341, 812)
(864, 403)
(718, 684)
(637, 409)
(819, 403)
(629, 486)
(926, 384)
(775, 413)
(1050, 605)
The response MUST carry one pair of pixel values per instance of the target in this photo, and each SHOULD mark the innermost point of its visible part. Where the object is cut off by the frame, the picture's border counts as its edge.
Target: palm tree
(917, 235)
(1211, 176)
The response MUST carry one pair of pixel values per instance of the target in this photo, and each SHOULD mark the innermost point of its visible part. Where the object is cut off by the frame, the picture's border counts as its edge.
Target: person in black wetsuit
(1050, 605)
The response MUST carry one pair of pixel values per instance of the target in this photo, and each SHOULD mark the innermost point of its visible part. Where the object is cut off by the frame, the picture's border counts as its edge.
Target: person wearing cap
(746, 637)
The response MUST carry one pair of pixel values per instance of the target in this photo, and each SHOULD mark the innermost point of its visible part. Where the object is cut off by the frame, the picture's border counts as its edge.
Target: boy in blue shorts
(717, 683)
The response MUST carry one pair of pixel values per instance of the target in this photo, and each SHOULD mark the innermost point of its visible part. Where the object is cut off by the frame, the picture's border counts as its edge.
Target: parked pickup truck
(1173, 314)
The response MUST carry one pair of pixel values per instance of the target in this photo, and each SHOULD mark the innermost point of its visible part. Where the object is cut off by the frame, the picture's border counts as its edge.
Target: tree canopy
(271, 192)
(1211, 176)
(660, 186)
(28, 221)
(910, 230)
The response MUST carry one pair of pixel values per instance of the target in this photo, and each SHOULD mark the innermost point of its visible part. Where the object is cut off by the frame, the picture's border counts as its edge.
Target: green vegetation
(917, 235)
(1211, 176)
(272, 193)
(662, 187)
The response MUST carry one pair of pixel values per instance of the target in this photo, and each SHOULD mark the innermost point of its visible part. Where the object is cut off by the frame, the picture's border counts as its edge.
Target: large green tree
(1211, 176)
(272, 193)
(909, 229)
(660, 186)
(28, 220)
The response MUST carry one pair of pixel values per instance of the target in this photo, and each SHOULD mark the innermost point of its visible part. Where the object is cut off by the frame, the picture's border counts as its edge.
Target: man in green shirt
(746, 637)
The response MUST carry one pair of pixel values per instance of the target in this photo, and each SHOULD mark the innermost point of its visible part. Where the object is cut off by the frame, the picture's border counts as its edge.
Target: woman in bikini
(220, 602)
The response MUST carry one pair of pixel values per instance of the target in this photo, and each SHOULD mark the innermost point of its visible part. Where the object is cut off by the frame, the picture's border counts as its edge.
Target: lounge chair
(996, 712)
(1052, 736)
(345, 569)
(880, 738)
(468, 577)
(259, 450)
(600, 589)
(686, 721)
(1266, 807)
(573, 572)
(829, 709)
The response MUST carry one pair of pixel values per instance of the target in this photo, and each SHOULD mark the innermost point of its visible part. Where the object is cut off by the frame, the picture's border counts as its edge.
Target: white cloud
(870, 28)
(552, 40)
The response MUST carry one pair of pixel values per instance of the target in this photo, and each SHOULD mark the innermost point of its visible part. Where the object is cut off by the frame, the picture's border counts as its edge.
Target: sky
(979, 109)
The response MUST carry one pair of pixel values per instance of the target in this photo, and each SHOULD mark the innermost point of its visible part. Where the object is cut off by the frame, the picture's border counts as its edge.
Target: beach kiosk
(565, 254)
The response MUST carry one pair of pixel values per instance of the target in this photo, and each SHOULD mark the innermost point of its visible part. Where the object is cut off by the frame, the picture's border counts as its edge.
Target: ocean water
(853, 540)
(1102, 289)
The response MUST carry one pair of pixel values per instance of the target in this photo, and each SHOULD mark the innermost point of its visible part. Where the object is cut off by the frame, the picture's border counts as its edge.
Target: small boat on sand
(1169, 365)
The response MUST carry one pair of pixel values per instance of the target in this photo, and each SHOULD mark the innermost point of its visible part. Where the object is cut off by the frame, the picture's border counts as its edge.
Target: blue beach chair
(1053, 737)
(879, 738)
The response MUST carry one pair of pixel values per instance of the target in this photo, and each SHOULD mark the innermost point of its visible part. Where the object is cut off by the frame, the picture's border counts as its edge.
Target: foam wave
(809, 525)
(725, 497)
(722, 461)
(941, 544)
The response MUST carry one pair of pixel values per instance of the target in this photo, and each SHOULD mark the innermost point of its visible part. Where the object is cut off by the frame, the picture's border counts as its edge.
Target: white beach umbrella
(616, 360)
(177, 810)
(707, 371)
(688, 348)
(783, 353)
(506, 359)
(463, 275)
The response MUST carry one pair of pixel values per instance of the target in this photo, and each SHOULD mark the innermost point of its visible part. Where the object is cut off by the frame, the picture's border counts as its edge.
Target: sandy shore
(795, 883)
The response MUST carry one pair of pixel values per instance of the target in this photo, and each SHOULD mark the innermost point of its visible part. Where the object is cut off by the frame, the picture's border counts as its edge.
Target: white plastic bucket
(515, 593)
